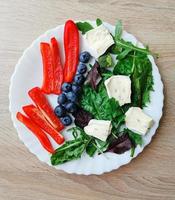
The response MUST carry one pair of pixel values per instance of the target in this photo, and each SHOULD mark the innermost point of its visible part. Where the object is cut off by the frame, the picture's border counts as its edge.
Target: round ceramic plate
(28, 73)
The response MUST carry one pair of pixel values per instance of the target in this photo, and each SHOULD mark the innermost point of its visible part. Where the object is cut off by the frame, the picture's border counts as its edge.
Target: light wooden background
(152, 174)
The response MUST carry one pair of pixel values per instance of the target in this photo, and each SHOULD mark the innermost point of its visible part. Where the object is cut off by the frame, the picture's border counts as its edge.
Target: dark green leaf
(142, 81)
(84, 27)
(98, 22)
(105, 60)
(91, 149)
(135, 138)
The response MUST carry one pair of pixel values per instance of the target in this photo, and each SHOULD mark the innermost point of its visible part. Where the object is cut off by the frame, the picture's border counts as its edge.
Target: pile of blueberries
(67, 100)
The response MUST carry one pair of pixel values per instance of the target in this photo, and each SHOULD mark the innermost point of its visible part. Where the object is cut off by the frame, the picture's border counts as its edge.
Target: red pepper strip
(48, 79)
(57, 67)
(36, 116)
(42, 103)
(71, 46)
(37, 131)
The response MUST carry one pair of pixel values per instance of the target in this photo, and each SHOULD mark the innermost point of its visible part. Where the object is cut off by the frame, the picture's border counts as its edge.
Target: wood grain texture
(149, 176)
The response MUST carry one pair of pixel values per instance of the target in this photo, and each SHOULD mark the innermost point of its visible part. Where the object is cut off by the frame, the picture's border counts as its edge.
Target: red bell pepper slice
(47, 85)
(71, 47)
(42, 103)
(37, 131)
(57, 66)
(36, 116)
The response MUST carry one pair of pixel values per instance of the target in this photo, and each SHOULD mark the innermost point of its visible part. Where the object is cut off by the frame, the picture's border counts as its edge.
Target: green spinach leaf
(120, 43)
(84, 27)
(99, 104)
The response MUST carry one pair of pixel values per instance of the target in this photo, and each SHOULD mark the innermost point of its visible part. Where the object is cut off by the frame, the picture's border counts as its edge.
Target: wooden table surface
(149, 176)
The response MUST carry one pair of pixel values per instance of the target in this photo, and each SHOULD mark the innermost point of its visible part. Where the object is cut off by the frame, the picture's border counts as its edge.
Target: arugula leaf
(123, 54)
(105, 60)
(84, 27)
(120, 43)
(98, 22)
(142, 81)
(81, 142)
(139, 67)
(73, 149)
(124, 44)
(118, 30)
(70, 150)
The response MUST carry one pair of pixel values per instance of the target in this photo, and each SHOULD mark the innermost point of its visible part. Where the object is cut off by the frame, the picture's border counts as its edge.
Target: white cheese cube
(99, 39)
(98, 128)
(119, 87)
(137, 120)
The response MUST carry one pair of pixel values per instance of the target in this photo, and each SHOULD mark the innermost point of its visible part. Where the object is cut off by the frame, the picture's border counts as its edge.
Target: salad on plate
(101, 95)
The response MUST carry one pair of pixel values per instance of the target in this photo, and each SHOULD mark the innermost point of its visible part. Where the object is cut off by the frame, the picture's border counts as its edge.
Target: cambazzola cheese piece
(99, 39)
(119, 87)
(137, 120)
(98, 128)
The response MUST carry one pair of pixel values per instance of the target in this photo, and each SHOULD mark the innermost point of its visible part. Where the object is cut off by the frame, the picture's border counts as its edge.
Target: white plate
(28, 74)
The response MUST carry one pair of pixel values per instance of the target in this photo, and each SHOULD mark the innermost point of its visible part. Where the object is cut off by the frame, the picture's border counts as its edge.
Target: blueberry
(76, 88)
(62, 98)
(71, 96)
(84, 57)
(66, 87)
(82, 68)
(70, 107)
(79, 79)
(66, 120)
(60, 111)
